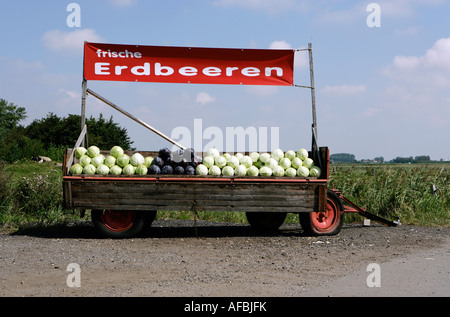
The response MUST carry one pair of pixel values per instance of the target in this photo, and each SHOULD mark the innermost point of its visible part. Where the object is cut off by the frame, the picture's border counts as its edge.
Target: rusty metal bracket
(352, 207)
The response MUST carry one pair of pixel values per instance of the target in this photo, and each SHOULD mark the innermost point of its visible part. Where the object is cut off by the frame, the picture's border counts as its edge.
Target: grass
(223, 216)
(398, 191)
(31, 193)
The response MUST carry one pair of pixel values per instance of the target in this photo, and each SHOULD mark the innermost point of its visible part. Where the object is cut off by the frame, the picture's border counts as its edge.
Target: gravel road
(176, 258)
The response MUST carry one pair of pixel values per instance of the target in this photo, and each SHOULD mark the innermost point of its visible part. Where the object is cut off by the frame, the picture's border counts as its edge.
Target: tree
(52, 134)
(65, 131)
(403, 160)
(422, 159)
(106, 133)
(342, 157)
(10, 116)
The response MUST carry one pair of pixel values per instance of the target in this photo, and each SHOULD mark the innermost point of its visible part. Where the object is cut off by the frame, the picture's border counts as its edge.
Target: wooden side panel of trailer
(199, 196)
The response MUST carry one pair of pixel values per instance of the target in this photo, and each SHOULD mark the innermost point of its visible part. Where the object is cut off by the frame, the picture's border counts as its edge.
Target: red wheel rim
(325, 221)
(118, 221)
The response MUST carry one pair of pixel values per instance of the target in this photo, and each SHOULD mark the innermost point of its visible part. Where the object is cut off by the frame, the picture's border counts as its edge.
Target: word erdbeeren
(160, 70)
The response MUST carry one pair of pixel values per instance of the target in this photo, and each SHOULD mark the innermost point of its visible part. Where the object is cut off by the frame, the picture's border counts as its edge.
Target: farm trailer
(122, 205)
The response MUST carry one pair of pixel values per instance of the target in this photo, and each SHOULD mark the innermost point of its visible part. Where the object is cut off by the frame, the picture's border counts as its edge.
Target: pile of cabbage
(90, 161)
(186, 162)
(277, 163)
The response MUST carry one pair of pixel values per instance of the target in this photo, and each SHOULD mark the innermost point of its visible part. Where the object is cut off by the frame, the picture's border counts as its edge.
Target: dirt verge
(176, 258)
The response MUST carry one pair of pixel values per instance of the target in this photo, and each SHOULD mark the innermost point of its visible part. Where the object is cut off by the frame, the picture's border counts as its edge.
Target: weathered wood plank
(198, 196)
(179, 207)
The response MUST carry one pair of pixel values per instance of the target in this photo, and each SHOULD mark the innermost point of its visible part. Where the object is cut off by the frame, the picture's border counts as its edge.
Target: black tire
(324, 224)
(266, 221)
(118, 224)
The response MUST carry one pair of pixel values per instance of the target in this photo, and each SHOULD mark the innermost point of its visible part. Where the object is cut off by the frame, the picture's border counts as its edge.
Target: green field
(398, 190)
(31, 193)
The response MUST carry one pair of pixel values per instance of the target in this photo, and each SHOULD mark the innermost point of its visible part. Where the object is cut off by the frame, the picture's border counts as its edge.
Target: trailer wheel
(266, 221)
(118, 224)
(324, 223)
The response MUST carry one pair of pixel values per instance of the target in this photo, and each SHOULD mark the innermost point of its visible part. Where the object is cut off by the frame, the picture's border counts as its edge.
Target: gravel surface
(176, 258)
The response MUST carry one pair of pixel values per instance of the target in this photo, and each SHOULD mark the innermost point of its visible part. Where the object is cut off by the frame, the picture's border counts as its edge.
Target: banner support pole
(129, 115)
(83, 107)
(313, 92)
(315, 143)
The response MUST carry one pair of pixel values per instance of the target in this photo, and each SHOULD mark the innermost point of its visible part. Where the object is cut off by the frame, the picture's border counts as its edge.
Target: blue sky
(380, 91)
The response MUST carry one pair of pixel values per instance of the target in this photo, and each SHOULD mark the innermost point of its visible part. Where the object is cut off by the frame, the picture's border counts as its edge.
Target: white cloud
(71, 42)
(419, 84)
(431, 68)
(344, 90)
(439, 55)
(204, 98)
(301, 58)
(72, 94)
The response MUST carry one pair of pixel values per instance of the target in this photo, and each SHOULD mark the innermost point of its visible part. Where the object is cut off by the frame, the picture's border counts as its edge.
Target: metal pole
(129, 115)
(313, 93)
(315, 143)
(83, 106)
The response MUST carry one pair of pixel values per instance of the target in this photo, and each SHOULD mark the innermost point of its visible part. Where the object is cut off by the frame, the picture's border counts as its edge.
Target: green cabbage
(129, 169)
(214, 170)
(115, 170)
(85, 160)
(97, 160)
(290, 172)
(89, 169)
(102, 169)
(76, 169)
(123, 160)
(315, 171)
(252, 171)
(93, 151)
(141, 170)
(228, 171)
(278, 171)
(285, 163)
(80, 151)
(116, 151)
(303, 171)
(265, 171)
(201, 169)
(110, 161)
(137, 159)
(240, 170)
